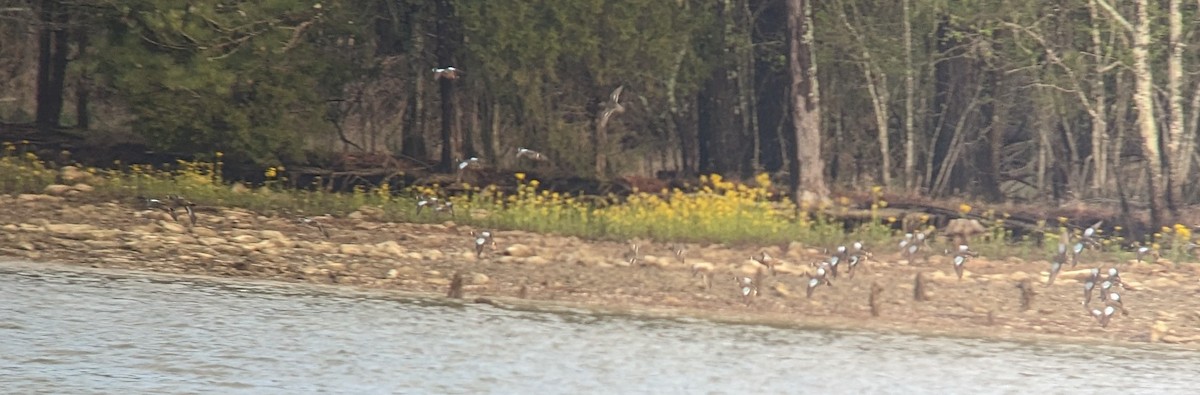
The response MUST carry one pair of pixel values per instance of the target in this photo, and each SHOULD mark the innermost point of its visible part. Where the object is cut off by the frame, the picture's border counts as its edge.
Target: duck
(523, 152)
(425, 201)
(633, 256)
(679, 253)
(177, 201)
(1104, 316)
(1089, 285)
(449, 73)
(961, 256)
(766, 260)
(313, 223)
(704, 270)
(1114, 300)
(747, 288)
(469, 162)
(1057, 263)
(1144, 251)
(613, 107)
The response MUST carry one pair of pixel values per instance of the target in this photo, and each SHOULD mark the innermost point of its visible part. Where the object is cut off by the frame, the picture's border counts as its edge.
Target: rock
(172, 227)
(1159, 282)
(335, 266)
(72, 174)
(1157, 331)
(357, 215)
(210, 241)
(274, 235)
(782, 289)
(388, 248)
(204, 232)
(83, 188)
(1173, 339)
(80, 232)
(102, 244)
(244, 239)
(519, 251)
(352, 249)
(26, 245)
(535, 260)
(36, 198)
(57, 189)
(479, 279)
(1018, 276)
(434, 255)
(368, 225)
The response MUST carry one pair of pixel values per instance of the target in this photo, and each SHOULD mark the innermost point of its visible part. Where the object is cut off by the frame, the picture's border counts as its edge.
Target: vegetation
(1053, 101)
(721, 212)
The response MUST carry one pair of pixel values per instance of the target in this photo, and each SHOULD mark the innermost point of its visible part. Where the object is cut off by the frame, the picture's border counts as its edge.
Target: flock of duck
(913, 246)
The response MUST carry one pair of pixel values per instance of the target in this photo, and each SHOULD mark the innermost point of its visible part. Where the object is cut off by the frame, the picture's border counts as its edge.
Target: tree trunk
(910, 135)
(1143, 101)
(1174, 155)
(1099, 109)
(82, 115)
(52, 63)
(445, 58)
(878, 90)
(806, 110)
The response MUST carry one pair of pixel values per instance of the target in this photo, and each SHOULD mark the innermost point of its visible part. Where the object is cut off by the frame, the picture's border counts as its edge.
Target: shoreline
(553, 273)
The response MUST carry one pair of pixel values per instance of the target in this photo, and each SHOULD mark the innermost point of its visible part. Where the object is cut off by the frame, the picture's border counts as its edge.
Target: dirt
(548, 271)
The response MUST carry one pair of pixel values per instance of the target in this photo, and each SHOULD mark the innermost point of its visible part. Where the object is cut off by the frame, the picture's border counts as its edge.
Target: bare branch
(1116, 15)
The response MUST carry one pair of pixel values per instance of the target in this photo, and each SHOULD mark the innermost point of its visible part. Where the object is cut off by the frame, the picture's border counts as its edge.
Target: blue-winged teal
(1104, 316)
(313, 223)
(747, 288)
(1114, 300)
(450, 73)
(1089, 285)
(960, 258)
(483, 239)
(1056, 264)
(766, 260)
(471, 162)
(526, 153)
(613, 106)
(1144, 251)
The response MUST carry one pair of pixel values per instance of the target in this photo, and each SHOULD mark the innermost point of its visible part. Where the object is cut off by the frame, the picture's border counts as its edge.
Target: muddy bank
(527, 269)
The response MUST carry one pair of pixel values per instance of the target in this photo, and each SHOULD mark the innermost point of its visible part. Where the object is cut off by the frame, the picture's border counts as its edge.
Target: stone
(519, 251)
(57, 189)
(244, 239)
(172, 227)
(273, 235)
(72, 174)
(84, 188)
(388, 248)
(204, 232)
(38, 198)
(102, 244)
(393, 273)
(479, 279)
(536, 260)
(352, 249)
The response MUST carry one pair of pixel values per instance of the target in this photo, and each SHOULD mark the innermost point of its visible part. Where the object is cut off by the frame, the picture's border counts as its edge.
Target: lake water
(67, 330)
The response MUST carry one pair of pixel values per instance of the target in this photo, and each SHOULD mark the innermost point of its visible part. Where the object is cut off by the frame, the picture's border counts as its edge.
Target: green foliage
(240, 78)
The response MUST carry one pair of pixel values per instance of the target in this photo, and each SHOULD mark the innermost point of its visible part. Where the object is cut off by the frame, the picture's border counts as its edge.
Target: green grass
(722, 212)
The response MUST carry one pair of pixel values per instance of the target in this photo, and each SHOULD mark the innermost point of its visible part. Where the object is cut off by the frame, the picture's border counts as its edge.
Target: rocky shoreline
(528, 269)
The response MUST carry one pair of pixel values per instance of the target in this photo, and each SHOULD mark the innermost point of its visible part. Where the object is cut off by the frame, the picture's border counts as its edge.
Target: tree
(1143, 101)
(53, 45)
(806, 110)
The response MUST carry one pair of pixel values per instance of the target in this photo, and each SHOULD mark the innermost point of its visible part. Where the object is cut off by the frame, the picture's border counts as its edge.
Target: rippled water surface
(76, 331)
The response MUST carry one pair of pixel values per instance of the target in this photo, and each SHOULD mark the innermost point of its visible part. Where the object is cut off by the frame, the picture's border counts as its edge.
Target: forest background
(1012, 100)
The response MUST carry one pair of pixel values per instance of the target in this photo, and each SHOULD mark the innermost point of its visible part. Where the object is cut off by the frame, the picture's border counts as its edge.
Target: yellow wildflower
(520, 176)
(964, 208)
